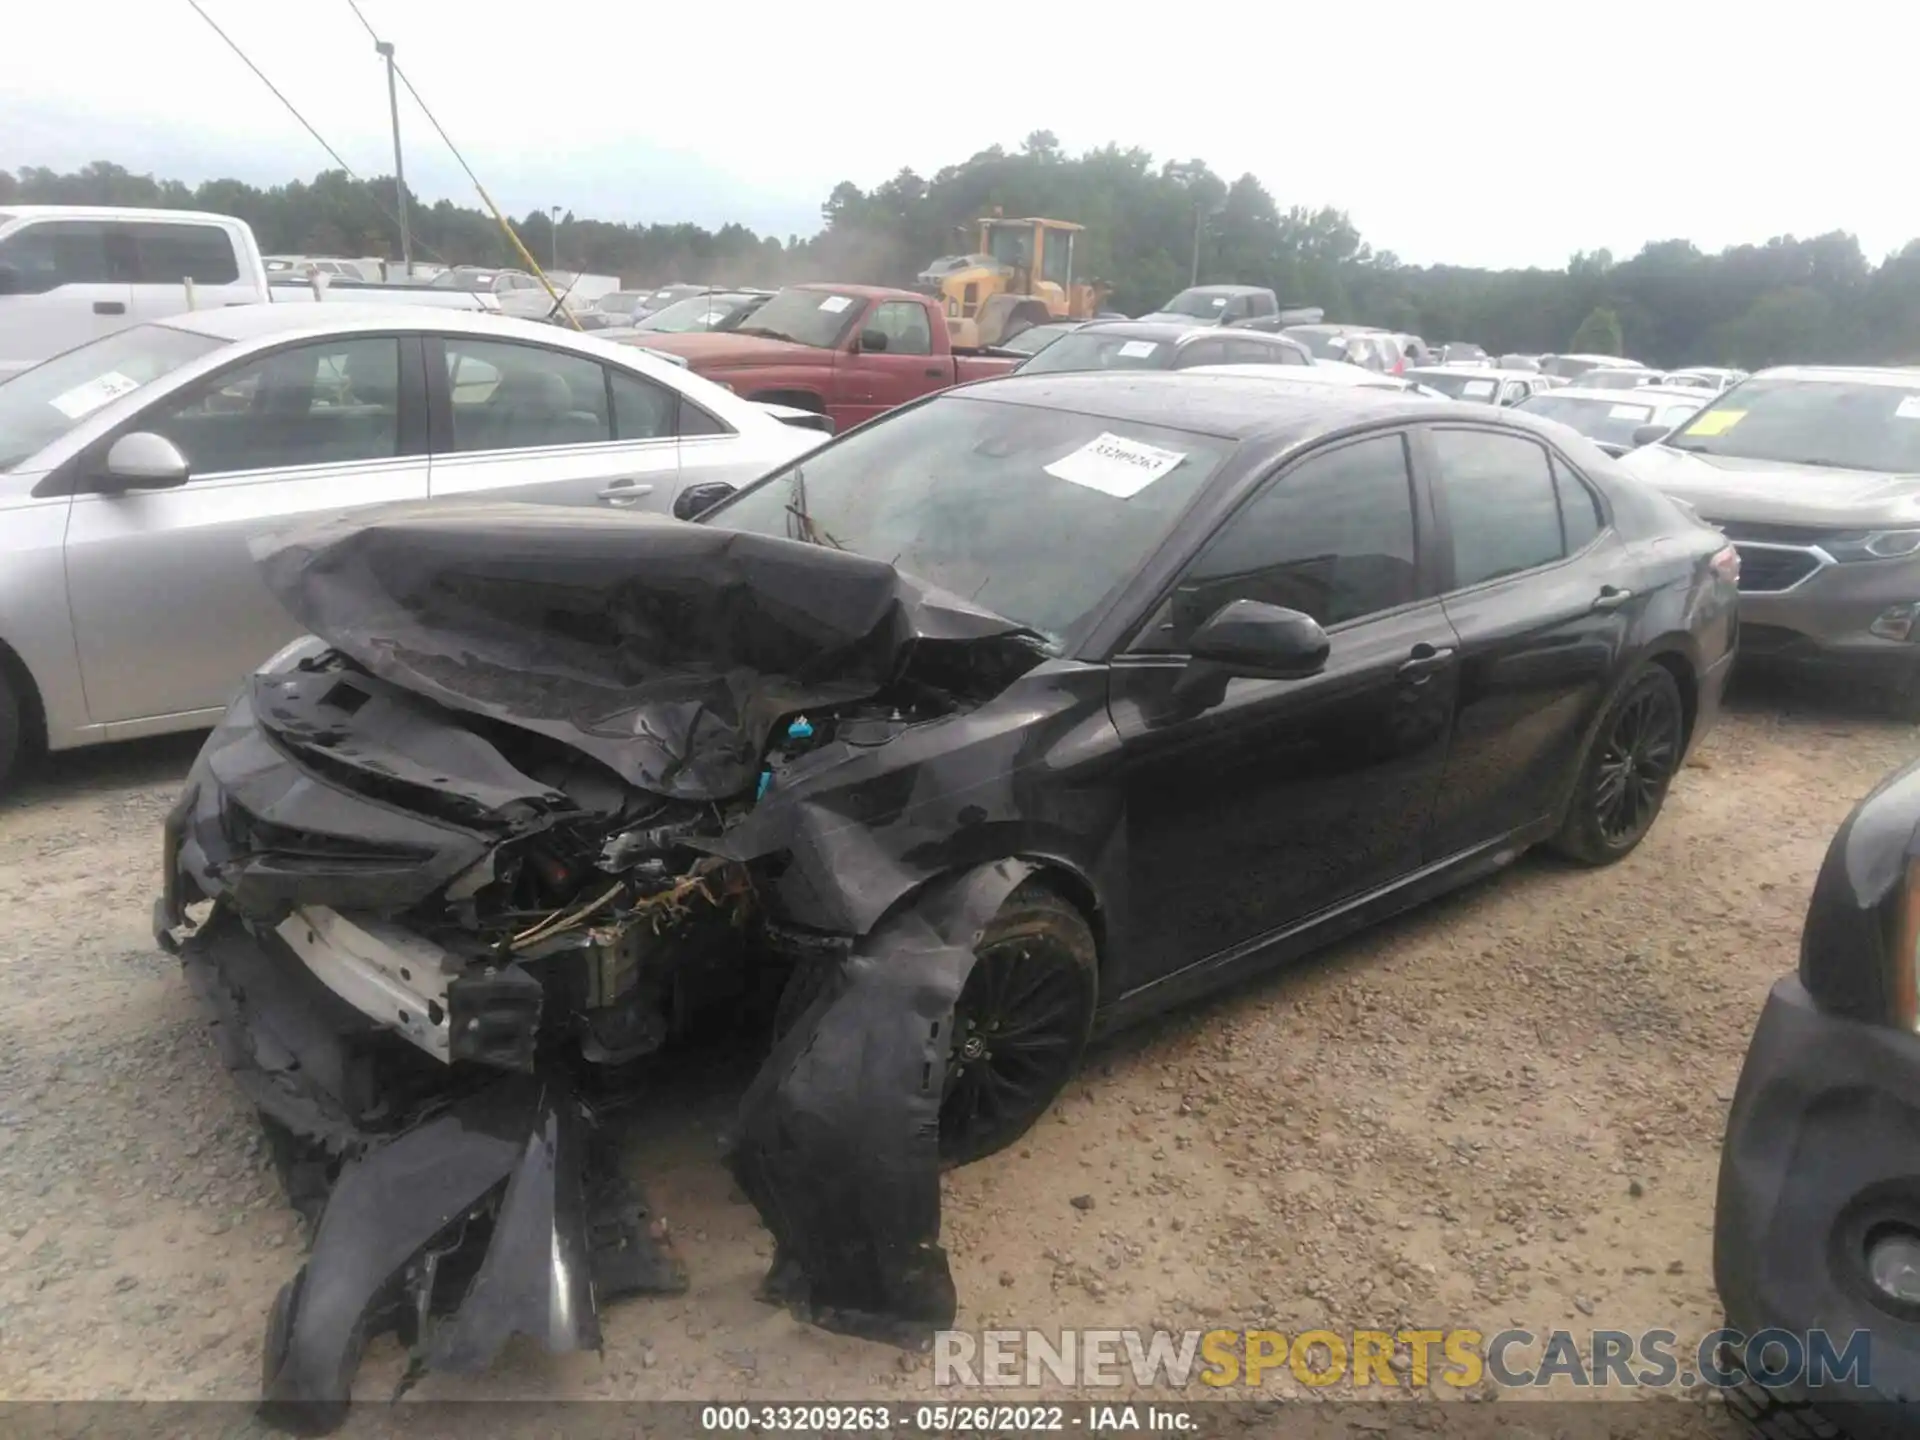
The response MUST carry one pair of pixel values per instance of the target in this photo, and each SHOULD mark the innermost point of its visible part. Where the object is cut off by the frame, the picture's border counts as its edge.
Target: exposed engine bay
(543, 791)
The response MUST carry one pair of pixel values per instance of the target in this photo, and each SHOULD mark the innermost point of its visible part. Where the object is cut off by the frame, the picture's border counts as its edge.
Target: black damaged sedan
(1026, 711)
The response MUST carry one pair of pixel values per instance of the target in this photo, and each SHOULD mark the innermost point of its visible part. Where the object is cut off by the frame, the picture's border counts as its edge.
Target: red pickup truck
(849, 352)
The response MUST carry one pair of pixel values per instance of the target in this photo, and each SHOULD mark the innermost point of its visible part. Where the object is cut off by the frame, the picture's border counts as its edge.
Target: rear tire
(13, 732)
(1627, 770)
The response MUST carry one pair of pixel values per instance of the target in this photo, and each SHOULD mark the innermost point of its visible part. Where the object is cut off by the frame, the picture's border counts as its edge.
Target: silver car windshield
(40, 405)
(1035, 514)
(1847, 425)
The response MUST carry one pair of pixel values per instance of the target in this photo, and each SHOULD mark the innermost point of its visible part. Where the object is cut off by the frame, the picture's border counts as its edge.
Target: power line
(338, 158)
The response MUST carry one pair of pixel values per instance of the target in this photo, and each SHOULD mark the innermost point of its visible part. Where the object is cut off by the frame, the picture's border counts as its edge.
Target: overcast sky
(1481, 134)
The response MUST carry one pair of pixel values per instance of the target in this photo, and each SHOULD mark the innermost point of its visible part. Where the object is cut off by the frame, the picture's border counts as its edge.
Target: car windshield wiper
(1690, 449)
(767, 334)
(806, 529)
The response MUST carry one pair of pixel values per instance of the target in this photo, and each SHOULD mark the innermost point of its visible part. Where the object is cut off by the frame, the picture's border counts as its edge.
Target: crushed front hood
(665, 650)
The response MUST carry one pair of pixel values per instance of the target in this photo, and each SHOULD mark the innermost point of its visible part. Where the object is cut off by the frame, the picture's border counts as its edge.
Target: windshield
(1845, 424)
(806, 317)
(40, 405)
(696, 312)
(1035, 338)
(1459, 384)
(463, 280)
(620, 302)
(1100, 350)
(1197, 303)
(1609, 422)
(1568, 366)
(1035, 514)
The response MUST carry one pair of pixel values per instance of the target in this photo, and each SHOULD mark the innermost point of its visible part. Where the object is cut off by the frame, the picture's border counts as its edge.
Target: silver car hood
(1770, 492)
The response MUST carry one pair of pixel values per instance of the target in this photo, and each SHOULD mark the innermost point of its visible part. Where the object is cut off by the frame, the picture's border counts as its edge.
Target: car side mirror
(873, 342)
(698, 499)
(143, 461)
(1648, 434)
(1253, 639)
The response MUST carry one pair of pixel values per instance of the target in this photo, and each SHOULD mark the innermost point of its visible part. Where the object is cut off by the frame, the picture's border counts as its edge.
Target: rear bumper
(1822, 1147)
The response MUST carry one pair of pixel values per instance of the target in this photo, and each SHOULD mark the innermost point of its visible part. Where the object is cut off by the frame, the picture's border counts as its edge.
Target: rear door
(1539, 589)
(66, 282)
(169, 613)
(1288, 796)
(873, 382)
(519, 421)
(169, 254)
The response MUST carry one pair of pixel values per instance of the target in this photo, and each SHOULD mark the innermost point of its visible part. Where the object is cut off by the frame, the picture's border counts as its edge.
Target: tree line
(1149, 227)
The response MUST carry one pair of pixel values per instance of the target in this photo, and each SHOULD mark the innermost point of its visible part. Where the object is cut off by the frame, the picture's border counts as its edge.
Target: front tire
(1624, 778)
(1020, 1025)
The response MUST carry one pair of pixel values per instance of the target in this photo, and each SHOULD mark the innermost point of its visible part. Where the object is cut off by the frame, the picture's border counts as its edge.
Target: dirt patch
(1503, 1110)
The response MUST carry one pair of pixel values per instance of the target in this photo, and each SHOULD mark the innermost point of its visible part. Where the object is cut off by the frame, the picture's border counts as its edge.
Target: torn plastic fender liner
(837, 1142)
(399, 1210)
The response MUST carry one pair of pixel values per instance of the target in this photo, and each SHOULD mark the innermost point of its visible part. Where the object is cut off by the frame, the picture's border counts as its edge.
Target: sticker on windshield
(834, 304)
(1628, 412)
(1908, 409)
(1715, 422)
(85, 399)
(1139, 349)
(1477, 387)
(1219, 302)
(1115, 465)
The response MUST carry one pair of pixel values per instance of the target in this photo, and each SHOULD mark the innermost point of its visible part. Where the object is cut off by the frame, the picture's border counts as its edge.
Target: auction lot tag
(90, 396)
(1115, 465)
(834, 304)
(1716, 422)
(1138, 349)
(1908, 408)
(1477, 387)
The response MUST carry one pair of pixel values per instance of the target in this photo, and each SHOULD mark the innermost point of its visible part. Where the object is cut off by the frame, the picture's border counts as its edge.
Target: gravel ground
(1504, 1109)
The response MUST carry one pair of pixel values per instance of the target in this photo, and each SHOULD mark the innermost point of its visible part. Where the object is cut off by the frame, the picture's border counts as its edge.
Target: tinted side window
(1502, 506)
(168, 254)
(524, 397)
(1580, 517)
(321, 404)
(904, 323)
(1333, 537)
(696, 421)
(51, 253)
(641, 409)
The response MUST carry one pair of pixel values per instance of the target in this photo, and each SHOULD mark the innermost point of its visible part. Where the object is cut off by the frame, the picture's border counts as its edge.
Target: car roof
(1152, 329)
(249, 322)
(1321, 372)
(1228, 406)
(1474, 372)
(1622, 397)
(865, 292)
(1845, 374)
(1225, 290)
(115, 212)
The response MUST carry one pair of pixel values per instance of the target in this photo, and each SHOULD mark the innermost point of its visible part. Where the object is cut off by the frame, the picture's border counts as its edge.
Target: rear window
(1101, 350)
(167, 254)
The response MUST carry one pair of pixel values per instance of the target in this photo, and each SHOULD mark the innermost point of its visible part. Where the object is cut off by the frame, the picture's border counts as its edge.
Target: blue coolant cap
(800, 729)
(766, 784)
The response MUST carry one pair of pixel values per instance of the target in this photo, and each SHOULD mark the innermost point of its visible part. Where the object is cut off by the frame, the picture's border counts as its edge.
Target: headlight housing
(289, 656)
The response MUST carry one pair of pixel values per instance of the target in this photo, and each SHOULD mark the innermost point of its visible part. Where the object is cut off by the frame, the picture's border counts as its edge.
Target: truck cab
(72, 273)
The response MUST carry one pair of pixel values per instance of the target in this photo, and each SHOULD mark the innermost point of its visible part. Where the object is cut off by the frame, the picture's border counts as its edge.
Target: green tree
(1598, 334)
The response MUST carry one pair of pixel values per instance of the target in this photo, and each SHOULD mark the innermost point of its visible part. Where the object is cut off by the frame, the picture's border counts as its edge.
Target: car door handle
(625, 492)
(1425, 660)
(109, 307)
(1611, 597)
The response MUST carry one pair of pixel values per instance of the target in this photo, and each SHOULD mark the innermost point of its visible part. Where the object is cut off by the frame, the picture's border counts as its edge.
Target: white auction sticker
(1908, 409)
(1138, 349)
(1115, 465)
(85, 398)
(1477, 387)
(1629, 412)
(834, 304)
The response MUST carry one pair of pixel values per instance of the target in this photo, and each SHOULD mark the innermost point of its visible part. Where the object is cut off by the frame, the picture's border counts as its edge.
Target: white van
(71, 273)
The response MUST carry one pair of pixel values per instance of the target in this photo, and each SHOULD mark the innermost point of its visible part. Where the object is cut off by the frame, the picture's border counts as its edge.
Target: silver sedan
(137, 471)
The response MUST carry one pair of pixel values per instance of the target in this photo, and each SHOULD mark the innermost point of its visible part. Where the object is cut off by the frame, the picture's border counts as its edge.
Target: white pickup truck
(71, 273)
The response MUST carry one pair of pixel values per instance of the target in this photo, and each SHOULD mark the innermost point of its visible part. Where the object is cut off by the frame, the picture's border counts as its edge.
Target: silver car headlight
(288, 657)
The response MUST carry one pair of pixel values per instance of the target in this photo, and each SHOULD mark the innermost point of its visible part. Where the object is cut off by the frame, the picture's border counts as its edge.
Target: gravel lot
(1505, 1109)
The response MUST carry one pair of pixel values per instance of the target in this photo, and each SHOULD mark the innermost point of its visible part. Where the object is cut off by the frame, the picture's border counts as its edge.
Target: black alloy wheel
(1635, 754)
(1020, 1024)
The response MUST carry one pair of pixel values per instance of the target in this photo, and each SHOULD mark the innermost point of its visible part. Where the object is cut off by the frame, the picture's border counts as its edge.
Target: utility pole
(553, 235)
(384, 49)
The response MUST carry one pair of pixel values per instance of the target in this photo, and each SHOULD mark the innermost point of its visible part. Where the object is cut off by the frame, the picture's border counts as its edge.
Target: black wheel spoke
(1637, 758)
